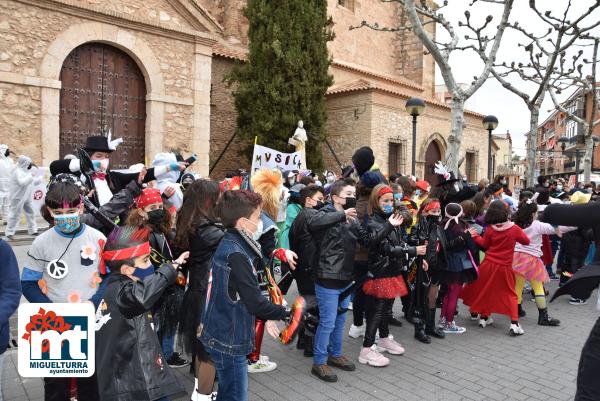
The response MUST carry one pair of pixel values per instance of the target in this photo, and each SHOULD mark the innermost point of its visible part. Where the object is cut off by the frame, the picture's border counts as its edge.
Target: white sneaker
(474, 317)
(262, 365)
(452, 328)
(516, 330)
(390, 345)
(371, 356)
(442, 322)
(350, 306)
(357, 331)
(484, 323)
(196, 396)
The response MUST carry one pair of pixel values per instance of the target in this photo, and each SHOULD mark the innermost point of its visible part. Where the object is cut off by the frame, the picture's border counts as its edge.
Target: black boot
(430, 327)
(420, 331)
(309, 343)
(545, 320)
(522, 311)
(301, 340)
(394, 322)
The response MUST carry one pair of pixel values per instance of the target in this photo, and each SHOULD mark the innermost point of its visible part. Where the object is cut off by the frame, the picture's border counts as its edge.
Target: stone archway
(122, 39)
(433, 147)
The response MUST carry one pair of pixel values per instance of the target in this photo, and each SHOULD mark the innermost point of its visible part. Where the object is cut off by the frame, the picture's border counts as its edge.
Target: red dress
(494, 290)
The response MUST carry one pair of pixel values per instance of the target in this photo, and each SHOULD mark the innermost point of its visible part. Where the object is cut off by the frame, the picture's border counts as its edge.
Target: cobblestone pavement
(481, 364)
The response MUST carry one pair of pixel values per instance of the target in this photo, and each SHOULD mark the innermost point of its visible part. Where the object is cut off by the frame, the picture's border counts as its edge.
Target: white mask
(100, 165)
(259, 230)
(559, 188)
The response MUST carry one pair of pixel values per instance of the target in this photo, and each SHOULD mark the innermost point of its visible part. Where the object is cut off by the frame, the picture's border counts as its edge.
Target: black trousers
(379, 313)
(588, 385)
(361, 269)
(58, 388)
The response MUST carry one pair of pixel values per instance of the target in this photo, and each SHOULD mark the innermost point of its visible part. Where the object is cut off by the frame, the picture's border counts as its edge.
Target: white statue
(299, 140)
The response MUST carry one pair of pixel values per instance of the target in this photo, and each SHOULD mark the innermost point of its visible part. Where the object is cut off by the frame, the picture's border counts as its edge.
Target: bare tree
(421, 14)
(543, 52)
(571, 75)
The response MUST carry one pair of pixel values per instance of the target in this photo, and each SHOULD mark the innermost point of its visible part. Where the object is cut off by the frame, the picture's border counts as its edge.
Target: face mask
(100, 165)
(433, 218)
(330, 179)
(143, 273)
(67, 223)
(259, 229)
(291, 181)
(156, 217)
(546, 185)
(388, 209)
(559, 188)
(503, 182)
(418, 192)
(350, 203)
(589, 190)
(319, 205)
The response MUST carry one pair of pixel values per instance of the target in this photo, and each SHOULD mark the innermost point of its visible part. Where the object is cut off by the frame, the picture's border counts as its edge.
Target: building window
(348, 4)
(396, 158)
(471, 166)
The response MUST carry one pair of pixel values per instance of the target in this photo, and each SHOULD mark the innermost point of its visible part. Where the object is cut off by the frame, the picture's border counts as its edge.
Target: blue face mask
(418, 192)
(67, 223)
(388, 209)
(143, 273)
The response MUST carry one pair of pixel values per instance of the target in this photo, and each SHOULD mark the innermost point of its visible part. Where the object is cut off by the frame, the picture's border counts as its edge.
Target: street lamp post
(414, 107)
(490, 123)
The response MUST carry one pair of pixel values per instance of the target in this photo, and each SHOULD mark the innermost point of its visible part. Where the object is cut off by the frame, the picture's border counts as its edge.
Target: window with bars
(396, 158)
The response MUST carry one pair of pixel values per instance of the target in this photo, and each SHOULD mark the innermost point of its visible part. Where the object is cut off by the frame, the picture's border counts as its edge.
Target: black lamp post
(414, 107)
(490, 123)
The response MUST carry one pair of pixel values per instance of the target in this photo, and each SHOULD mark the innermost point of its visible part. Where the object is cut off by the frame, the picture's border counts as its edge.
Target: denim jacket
(227, 325)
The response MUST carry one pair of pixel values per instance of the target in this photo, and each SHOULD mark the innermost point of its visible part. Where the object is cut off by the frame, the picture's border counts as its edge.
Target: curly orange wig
(268, 184)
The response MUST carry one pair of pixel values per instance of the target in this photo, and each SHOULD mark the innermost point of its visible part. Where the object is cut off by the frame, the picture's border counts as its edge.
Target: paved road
(482, 364)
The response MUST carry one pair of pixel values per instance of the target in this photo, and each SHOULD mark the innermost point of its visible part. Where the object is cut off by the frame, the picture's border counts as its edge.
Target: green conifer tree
(286, 76)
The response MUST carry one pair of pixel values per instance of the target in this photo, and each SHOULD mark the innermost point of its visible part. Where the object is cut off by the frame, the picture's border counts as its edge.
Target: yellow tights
(537, 288)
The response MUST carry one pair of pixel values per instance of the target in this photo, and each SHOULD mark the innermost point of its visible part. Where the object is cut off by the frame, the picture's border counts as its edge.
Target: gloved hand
(286, 256)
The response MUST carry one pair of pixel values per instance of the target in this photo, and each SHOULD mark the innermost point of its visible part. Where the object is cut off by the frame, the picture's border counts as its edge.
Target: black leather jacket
(388, 257)
(202, 247)
(129, 361)
(335, 241)
(438, 245)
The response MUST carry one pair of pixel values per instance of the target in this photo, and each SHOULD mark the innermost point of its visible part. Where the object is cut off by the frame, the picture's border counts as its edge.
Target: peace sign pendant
(57, 269)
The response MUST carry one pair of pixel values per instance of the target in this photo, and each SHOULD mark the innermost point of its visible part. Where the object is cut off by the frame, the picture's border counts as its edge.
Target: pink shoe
(389, 345)
(371, 356)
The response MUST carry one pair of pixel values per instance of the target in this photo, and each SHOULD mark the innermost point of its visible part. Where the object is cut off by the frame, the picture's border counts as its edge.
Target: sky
(492, 98)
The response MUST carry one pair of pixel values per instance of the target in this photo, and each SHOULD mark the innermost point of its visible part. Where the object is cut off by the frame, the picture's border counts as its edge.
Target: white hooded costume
(21, 196)
(168, 179)
(6, 167)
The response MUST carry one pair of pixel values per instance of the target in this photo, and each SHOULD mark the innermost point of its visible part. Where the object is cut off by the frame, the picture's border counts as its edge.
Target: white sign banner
(264, 157)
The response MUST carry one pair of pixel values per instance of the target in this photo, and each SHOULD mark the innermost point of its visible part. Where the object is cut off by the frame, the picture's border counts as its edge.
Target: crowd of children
(172, 261)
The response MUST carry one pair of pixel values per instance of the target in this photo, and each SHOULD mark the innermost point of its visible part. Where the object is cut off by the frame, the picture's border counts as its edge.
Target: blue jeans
(167, 345)
(330, 332)
(232, 372)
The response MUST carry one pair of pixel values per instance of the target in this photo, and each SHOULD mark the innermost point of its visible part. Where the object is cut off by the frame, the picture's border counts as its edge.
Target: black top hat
(97, 144)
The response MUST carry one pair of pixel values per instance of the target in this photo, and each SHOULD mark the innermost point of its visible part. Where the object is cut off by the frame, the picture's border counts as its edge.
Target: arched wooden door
(103, 89)
(433, 154)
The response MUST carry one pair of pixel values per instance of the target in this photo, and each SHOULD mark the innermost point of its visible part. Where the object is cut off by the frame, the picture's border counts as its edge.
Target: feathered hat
(446, 177)
(268, 184)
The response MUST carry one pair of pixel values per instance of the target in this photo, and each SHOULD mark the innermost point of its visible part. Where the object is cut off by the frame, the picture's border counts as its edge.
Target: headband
(453, 218)
(384, 190)
(148, 196)
(432, 205)
(127, 253)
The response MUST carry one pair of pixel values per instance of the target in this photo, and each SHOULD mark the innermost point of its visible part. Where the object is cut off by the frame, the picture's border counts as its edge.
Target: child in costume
(385, 264)
(62, 265)
(129, 360)
(268, 183)
(150, 213)
(494, 290)
(462, 260)
(234, 298)
(527, 262)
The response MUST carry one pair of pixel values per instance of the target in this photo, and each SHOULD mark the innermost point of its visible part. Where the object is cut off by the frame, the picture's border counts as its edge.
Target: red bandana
(149, 196)
(127, 253)
(384, 190)
(431, 206)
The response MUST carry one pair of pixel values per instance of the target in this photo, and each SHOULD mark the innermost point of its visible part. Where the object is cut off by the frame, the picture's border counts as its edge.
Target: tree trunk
(587, 159)
(533, 127)
(454, 141)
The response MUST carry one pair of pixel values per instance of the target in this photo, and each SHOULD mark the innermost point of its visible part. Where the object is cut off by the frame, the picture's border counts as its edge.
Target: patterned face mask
(67, 223)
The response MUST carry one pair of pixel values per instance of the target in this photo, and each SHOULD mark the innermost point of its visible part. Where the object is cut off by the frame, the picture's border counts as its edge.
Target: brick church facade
(152, 72)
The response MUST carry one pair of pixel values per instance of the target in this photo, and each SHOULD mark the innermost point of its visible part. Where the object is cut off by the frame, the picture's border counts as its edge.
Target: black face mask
(156, 217)
(319, 205)
(433, 219)
(350, 203)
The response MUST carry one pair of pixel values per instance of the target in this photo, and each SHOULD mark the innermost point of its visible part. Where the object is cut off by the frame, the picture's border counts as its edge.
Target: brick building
(152, 72)
(552, 159)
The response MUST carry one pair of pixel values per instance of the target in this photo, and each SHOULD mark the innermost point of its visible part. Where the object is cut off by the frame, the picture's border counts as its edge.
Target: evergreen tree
(286, 76)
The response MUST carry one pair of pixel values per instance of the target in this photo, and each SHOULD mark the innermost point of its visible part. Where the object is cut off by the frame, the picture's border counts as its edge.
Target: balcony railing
(569, 165)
